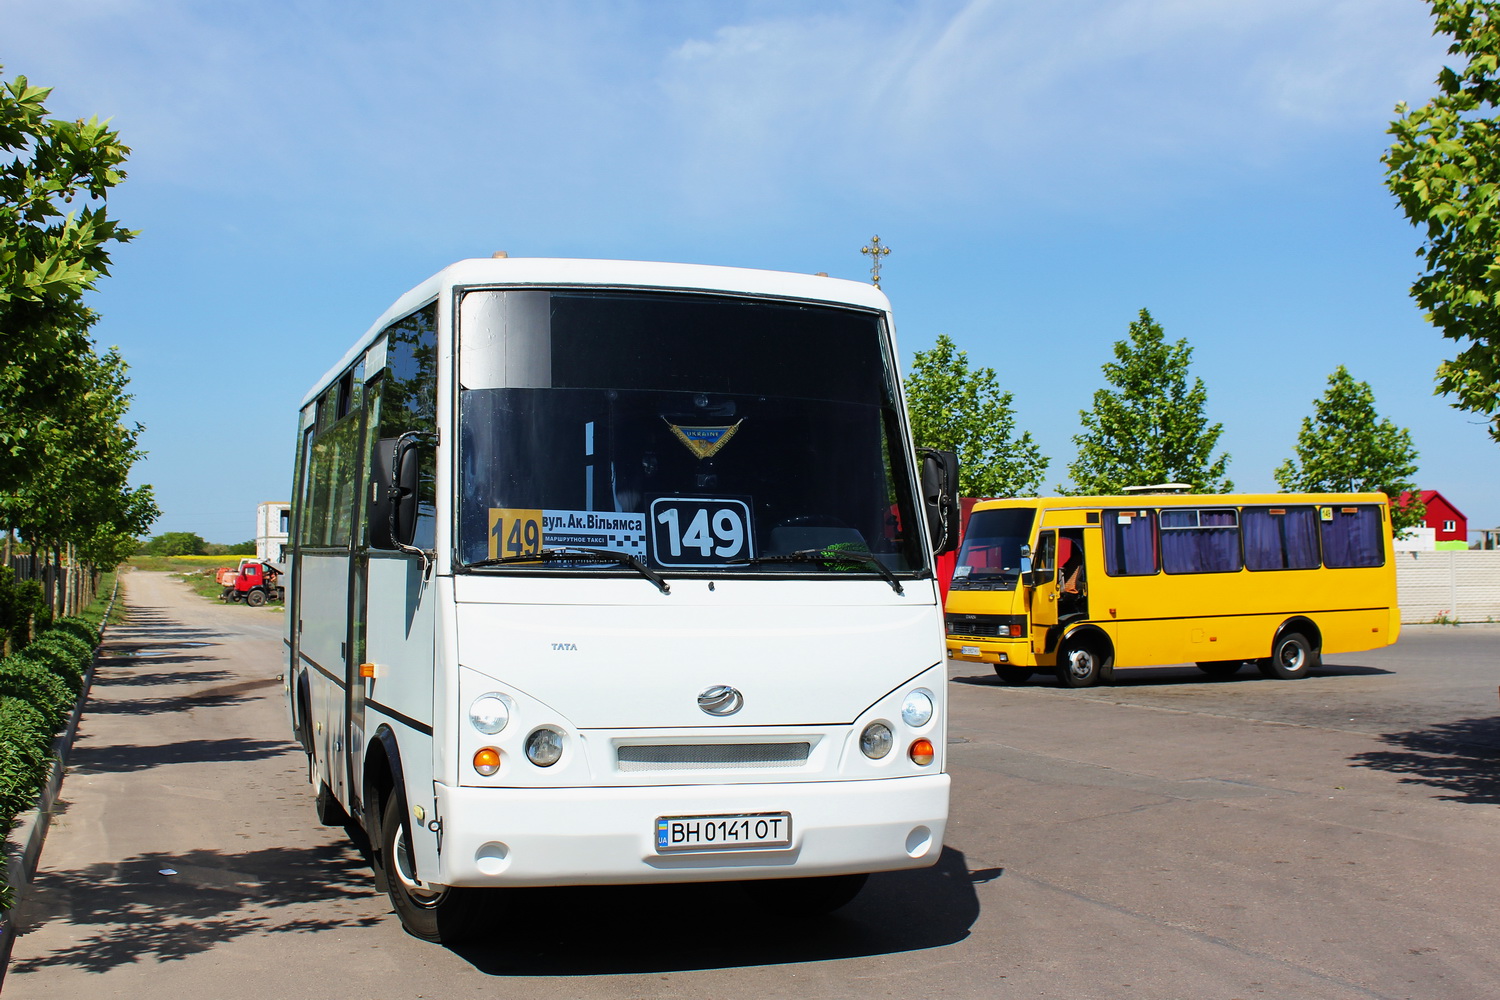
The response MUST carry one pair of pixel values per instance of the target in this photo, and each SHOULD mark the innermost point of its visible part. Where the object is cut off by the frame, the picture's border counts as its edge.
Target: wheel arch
(302, 712)
(1303, 624)
(383, 779)
(1089, 632)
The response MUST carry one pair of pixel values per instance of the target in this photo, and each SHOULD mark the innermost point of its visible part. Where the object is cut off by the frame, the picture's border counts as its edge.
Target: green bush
(25, 760)
(77, 627)
(23, 612)
(25, 756)
(32, 682)
(66, 656)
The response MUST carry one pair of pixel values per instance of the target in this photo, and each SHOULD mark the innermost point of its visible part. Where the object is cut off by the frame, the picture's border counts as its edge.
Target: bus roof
(625, 274)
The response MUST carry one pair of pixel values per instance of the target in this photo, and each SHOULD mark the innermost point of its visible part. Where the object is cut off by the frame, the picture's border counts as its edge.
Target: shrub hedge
(38, 688)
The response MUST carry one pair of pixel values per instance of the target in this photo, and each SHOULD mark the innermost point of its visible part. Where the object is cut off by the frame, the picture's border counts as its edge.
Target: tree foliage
(1444, 169)
(1151, 428)
(1345, 447)
(175, 543)
(65, 448)
(957, 409)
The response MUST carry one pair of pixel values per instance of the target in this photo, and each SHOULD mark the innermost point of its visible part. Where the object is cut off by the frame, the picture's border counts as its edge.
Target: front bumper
(603, 836)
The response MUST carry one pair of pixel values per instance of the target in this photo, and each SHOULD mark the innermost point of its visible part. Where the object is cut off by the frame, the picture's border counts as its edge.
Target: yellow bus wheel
(1082, 662)
(1013, 675)
(1292, 657)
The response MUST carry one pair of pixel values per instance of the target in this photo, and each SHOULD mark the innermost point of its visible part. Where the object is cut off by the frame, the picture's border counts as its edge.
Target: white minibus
(610, 572)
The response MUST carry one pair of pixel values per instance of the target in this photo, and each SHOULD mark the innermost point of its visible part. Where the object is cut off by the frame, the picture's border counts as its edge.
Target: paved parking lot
(1335, 837)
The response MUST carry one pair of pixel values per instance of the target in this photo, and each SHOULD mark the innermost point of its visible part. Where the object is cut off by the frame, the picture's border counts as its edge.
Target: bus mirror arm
(393, 494)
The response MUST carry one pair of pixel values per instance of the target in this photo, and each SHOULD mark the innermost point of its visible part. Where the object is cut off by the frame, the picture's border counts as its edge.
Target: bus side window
(408, 402)
(1045, 559)
(1130, 543)
(1352, 536)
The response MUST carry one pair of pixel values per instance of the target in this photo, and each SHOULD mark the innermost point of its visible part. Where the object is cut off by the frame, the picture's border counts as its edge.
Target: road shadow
(115, 678)
(1462, 759)
(116, 759)
(214, 697)
(1170, 676)
(675, 928)
(123, 911)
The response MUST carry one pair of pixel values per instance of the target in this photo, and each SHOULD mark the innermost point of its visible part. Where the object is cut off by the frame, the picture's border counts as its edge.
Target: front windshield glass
(990, 557)
(695, 433)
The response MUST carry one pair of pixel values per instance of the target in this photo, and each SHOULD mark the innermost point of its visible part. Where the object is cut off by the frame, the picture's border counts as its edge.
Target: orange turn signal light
(921, 752)
(487, 761)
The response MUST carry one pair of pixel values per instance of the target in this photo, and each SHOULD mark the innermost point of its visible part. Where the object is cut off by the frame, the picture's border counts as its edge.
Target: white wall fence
(1457, 586)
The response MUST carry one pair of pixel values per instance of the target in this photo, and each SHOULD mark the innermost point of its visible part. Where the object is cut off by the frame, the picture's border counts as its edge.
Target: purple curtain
(1281, 537)
(1129, 543)
(1200, 541)
(1353, 536)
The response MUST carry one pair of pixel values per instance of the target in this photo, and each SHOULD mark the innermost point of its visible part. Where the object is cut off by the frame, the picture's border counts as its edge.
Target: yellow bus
(1082, 585)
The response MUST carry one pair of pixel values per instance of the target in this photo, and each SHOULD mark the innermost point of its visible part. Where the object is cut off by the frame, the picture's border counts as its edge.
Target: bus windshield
(696, 433)
(990, 558)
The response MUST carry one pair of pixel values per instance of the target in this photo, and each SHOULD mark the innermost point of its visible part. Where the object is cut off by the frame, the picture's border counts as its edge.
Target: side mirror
(393, 491)
(940, 498)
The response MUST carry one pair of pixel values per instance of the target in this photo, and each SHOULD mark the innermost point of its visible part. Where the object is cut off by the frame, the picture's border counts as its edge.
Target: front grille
(704, 756)
(986, 626)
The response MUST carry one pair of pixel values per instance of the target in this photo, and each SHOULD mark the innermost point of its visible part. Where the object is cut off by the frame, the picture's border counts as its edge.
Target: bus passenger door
(1043, 590)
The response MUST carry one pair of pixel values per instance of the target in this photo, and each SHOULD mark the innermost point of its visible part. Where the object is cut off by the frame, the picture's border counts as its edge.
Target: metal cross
(876, 251)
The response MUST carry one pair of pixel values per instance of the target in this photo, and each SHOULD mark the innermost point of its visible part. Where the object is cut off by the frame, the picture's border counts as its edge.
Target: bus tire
(1013, 675)
(1082, 662)
(1292, 657)
(1220, 669)
(440, 914)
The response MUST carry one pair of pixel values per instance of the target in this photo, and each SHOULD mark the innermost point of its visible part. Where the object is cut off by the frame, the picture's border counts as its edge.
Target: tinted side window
(1280, 537)
(1200, 540)
(408, 402)
(1130, 542)
(1352, 535)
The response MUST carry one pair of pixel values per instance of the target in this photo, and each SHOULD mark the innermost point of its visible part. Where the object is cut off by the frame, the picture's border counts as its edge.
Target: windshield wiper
(578, 553)
(828, 557)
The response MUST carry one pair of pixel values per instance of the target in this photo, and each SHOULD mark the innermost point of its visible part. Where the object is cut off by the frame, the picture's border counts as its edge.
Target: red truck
(254, 582)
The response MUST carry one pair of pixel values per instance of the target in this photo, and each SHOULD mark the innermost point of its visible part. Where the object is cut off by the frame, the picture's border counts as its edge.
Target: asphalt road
(1168, 837)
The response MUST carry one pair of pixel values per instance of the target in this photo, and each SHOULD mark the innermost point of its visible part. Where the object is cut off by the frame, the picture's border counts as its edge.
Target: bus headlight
(875, 741)
(544, 747)
(916, 711)
(489, 714)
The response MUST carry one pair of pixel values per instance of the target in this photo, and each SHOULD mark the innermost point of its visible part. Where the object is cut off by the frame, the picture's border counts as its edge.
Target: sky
(1040, 172)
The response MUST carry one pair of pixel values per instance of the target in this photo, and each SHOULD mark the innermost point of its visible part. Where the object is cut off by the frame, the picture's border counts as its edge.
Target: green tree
(1444, 169)
(176, 543)
(965, 411)
(1345, 447)
(50, 254)
(1151, 428)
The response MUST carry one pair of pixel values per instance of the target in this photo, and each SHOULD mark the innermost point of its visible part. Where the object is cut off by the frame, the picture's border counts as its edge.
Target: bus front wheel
(1292, 657)
(441, 914)
(1082, 663)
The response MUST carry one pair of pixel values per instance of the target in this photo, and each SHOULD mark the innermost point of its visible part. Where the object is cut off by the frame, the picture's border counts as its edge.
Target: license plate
(968, 650)
(755, 831)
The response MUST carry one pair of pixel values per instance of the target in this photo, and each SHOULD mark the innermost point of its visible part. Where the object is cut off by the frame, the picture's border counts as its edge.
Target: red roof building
(1449, 525)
